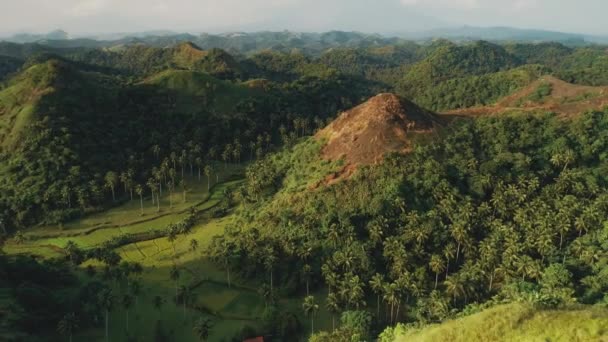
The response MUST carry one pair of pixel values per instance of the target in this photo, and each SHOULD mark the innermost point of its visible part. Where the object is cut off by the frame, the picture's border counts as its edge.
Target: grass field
(230, 308)
(517, 322)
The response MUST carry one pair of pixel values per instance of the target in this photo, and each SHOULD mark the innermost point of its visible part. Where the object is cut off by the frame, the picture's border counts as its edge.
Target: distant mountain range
(256, 41)
(468, 33)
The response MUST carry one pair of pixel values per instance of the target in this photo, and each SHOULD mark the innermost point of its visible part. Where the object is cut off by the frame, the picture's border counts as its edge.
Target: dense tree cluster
(497, 206)
(94, 139)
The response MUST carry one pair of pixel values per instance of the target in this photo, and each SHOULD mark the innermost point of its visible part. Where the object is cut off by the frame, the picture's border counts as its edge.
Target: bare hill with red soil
(385, 123)
(547, 94)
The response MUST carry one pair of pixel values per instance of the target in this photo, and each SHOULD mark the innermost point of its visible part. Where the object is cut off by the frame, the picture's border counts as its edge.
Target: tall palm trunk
(107, 314)
(397, 313)
(271, 280)
(141, 204)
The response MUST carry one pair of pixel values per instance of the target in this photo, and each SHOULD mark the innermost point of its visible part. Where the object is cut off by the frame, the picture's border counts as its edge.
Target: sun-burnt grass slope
(385, 123)
(546, 94)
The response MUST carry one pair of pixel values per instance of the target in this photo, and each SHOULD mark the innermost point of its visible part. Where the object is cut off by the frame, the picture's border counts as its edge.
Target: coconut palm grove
(284, 186)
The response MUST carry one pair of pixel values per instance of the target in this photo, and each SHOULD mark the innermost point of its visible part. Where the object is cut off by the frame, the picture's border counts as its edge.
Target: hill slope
(196, 91)
(383, 124)
(515, 322)
(547, 94)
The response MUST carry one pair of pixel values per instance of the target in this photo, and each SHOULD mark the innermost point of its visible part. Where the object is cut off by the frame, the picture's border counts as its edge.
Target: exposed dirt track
(565, 99)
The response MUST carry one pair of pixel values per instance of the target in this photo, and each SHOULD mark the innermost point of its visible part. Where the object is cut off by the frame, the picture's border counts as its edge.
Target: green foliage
(478, 90)
(500, 200)
(452, 61)
(358, 322)
(543, 90)
(8, 65)
(515, 322)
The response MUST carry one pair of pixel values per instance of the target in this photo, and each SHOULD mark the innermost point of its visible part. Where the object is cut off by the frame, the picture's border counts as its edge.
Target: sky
(80, 17)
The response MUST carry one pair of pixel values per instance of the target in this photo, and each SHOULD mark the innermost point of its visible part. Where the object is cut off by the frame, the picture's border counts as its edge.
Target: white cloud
(312, 15)
(88, 7)
(509, 5)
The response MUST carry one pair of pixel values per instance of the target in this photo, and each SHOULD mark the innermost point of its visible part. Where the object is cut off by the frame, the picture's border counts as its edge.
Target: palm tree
(376, 230)
(170, 185)
(185, 295)
(124, 179)
(355, 292)
(208, 174)
(182, 184)
(264, 292)
(111, 179)
(436, 265)
(127, 302)
(106, 301)
(183, 158)
(139, 190)
(156, 151)
(152, 186)
(158, 304)
(202, 328)
(377, 284)
(74, 252)
(306, 273)
(269, 260)
(333, 306)
(67, 325)
(391, 297)
(454, 286)
(310, 308)
(227, 154)
(172, 237)
(193, 245)
(448, 253)
(135, 289)
(333, 235)
(331, 278)
(199, 163)
(236, 151)
(174, 275)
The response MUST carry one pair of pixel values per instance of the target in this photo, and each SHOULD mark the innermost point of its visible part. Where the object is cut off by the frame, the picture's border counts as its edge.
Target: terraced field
(230, 307)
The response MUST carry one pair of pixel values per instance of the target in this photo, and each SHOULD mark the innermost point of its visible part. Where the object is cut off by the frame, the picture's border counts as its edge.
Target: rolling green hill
(142, 60)
(513, 322)
(197, 88)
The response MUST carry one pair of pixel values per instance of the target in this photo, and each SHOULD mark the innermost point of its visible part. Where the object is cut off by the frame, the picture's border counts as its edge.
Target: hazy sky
(103, 16)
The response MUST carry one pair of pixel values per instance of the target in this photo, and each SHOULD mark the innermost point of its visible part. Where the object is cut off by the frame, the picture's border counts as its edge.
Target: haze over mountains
(454, 33)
